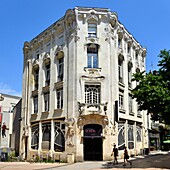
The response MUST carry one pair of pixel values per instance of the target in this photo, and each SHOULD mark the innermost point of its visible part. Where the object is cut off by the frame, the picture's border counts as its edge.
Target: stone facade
(77, 89)
(7, 105)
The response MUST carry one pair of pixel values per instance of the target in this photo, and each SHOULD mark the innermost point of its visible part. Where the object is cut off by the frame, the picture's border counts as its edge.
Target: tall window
(130, 103)
(59, 138)
(59, 98)
(121, 99)
(121, 136)
(61, 40)
(46, 135)
(120, 68)
(35, 137)
(60, 69)
(92, 30)
(119, 42)
(47, 74)
(35, 102)
(130, 137)
(36, 77)
(128, 49)
(92, 54)
(129, 75)
(46, 101)
(138, 134)
(92, 94)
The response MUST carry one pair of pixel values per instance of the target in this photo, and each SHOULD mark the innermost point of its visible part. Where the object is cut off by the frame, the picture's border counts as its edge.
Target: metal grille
(92, 94)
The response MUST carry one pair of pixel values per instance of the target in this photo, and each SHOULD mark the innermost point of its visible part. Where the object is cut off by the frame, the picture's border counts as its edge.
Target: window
(35, 137)
(47, 75)
(35, 101)
(121, 136)
(120, 68)
(119, 42)
(46, 135)
(128, 49)
(130, 137)
(59, 138)
(92, 30)
(129, 75)
(61, 40)
(138, 133)
(36, 77)
(92, 94)
(46, 102)
(92, 54)
(136, 56)
(130, 103)
(59, 98)
(121, 99)
(60, 69)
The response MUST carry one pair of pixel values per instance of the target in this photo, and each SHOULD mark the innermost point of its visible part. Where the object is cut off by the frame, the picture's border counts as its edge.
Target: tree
(152, 92)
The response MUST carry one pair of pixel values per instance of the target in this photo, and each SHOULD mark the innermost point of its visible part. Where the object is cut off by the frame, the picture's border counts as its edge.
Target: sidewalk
(95, 165)
(28, 166)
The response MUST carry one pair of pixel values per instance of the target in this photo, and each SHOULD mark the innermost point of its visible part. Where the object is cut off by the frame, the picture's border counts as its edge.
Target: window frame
(92, 56)
(92, 93)
(35, 104)
(92, 30)
(46, 101)
(59, 97)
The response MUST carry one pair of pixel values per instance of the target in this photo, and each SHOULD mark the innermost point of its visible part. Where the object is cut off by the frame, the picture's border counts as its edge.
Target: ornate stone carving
(112, 18)
(46, 57)
(93, 74)
(70, 132)
(81, 107)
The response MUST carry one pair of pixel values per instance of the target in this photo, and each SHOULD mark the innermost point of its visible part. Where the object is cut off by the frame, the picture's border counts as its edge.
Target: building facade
(7, 104)
(77, 87)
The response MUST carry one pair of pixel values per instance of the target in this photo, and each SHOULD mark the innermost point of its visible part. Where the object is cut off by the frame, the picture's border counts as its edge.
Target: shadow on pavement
(150, 161)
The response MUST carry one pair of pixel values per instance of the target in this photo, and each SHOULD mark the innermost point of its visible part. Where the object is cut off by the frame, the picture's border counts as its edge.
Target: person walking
(4, 128)
(115, 153)
(126, 157)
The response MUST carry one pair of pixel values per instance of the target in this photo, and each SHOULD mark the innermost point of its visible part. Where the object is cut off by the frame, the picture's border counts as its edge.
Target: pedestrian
(4, 128)
(115, 153)
(126, 157)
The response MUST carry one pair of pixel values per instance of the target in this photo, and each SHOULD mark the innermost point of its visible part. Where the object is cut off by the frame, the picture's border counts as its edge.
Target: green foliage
(152, 92)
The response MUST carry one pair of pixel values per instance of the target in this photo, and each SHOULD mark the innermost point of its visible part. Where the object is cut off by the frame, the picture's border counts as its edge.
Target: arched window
(121, 136)
(92, 94)
(35, 137)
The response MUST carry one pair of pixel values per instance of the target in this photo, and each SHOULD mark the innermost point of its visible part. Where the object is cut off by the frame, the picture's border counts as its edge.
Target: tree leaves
(152, 92)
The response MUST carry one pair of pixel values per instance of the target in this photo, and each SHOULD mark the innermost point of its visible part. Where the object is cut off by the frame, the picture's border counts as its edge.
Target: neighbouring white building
(76, 99)
(7, 104)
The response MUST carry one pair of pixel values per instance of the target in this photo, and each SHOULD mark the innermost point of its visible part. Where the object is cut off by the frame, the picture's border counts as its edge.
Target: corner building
(77, 89)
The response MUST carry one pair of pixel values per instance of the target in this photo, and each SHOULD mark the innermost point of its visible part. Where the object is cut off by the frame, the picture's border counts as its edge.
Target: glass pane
(121, 136)
(35, 137)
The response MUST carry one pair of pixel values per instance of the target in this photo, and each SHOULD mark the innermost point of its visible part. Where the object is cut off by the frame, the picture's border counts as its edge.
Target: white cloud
(6, 89)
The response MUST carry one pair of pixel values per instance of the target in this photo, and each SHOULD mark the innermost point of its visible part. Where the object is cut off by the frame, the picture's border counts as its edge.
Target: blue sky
(21, 20)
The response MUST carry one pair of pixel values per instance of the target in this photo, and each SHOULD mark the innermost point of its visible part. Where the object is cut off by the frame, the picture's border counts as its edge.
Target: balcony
(87, 109)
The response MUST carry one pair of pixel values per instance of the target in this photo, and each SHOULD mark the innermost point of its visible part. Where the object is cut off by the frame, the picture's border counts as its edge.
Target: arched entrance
(93, 142)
